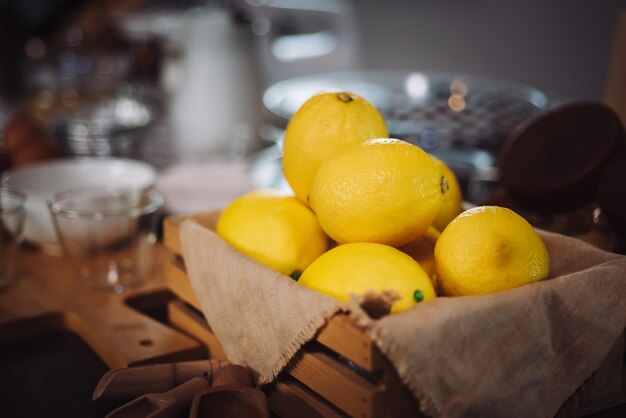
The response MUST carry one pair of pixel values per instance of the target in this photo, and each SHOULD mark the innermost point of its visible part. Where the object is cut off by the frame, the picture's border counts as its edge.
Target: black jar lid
(553, 161)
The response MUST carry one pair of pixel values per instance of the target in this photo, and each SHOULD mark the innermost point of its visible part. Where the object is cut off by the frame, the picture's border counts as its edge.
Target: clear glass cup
(12, 214)
(108, 234)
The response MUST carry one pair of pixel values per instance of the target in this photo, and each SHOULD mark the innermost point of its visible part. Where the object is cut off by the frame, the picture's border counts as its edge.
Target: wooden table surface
(46, 298)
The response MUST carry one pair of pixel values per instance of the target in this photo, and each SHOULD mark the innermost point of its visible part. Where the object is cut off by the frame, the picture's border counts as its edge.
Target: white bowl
(41, 181)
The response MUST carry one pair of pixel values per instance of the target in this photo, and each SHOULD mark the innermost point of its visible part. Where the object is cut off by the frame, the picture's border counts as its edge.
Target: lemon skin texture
(488, 249)
(276, 230)
(358, 267)
(383, 190)
(321, 128)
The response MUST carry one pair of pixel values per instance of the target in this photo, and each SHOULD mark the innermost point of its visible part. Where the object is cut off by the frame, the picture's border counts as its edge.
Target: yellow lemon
(325, 124)
(488, 249)
(382, 190)
(359, 267)
(278, 231)
(422, 250)
(452, 201)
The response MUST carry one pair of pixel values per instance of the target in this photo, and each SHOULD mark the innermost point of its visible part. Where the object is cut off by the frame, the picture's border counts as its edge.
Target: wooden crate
(342, 372)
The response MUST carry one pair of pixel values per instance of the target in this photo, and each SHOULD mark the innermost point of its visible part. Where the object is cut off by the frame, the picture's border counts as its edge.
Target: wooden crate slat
(177, 281)
(171, 228)
(171, 237)
(399, 400)
(342, 336)
(193, 323)
(338, 384)
(288, 399)
(335, 382)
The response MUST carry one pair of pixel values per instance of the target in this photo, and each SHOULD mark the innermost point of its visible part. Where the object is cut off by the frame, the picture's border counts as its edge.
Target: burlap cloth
(517, 353)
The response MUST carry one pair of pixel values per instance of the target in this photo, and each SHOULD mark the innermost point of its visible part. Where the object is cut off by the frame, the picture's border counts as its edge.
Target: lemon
(488, 249)
(452, 201)
(325, 124)
(278, 231)
(359, 267)
(382, 190)
(422, 250)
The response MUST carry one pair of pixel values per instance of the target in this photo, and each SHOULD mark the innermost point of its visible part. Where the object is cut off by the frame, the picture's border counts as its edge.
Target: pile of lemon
(372, 213)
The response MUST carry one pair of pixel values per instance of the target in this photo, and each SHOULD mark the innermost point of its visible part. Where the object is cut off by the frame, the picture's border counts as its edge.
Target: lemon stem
(443, 183)
(344, 97)
(295, 275)
(418, 295)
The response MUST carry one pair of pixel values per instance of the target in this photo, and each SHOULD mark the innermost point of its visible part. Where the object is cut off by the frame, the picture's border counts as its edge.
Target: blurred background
(204, 89)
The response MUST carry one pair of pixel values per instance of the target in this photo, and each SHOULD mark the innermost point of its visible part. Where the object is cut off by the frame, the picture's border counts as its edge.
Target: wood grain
(177, 281)
(171, 228)
(342, 336)
(329, 378)
(338, 384)
(289, 399)
(193, 323)
(120, 335)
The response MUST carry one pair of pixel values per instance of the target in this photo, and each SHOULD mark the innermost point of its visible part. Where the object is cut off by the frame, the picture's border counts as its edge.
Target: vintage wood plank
(344, 337)
(322, 374)
(399, 401)
(119, 334)
(171, 228)
(177, 281)
(289, 399)
(193, 323)
(124, 337)
(338, 384)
